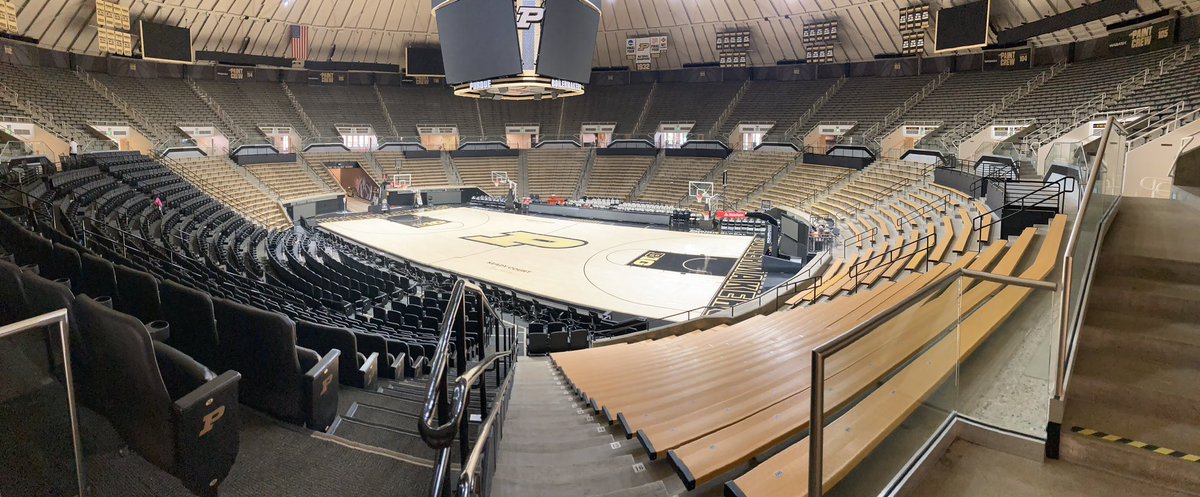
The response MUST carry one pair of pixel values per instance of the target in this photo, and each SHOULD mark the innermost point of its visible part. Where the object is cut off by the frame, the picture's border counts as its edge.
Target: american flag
(299, 35)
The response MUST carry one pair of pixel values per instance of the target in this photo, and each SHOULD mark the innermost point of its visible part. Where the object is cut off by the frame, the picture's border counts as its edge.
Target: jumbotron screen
(169, 43)
(965, 26)
(526, 49)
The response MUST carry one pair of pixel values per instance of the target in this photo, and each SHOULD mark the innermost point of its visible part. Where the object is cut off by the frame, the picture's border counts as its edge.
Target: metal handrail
(1061, 186)
(467, 482)
(438, 402)
(816, 451)
(62, 319)
(1067, 262)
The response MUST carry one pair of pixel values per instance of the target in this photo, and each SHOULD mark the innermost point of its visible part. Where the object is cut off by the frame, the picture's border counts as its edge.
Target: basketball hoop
(401, 185)
(496, 183)
(700, 198)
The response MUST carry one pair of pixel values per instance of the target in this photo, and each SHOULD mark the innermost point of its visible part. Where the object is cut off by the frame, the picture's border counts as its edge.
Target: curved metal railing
(443, 415)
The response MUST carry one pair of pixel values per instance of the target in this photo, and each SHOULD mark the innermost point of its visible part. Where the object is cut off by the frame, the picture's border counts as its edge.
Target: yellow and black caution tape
(1136, 444)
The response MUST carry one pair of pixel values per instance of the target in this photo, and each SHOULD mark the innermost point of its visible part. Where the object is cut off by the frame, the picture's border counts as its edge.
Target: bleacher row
(711, 417)
(247, 105)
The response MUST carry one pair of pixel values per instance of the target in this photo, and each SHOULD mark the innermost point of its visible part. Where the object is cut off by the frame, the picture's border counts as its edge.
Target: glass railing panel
(1109, 171)
(37, 446)
(1007, 364)
(887, 393)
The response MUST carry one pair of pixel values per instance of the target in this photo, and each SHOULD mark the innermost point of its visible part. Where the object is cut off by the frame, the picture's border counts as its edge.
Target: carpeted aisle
(275, 460)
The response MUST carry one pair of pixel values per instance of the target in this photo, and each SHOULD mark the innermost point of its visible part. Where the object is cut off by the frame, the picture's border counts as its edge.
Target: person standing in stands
(74, 145)
(158, 203)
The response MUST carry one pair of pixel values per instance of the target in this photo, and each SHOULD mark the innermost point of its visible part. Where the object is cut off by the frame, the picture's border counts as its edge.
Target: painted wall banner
(1009, 59)
(1141, 39)
(731, 215)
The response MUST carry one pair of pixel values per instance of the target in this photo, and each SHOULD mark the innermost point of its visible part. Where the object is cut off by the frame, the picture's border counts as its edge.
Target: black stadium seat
(355, 369)
(290, 382)
(578, 339)
(98, 278)
(137, 294)
(559, 341)
(193, 324)
(169, 408)
(64, 263)
(13, 306)
(537, 343)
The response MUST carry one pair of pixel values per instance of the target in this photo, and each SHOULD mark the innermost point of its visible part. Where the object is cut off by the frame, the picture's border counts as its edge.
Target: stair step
(1160, 299)
(1147, 267)
(1137, 384)
(1139, 464)
(402, 421)
(394, 440)
(1170, 342)
(652, 489)
(1148, 427)
(390, 402)
(581, 480)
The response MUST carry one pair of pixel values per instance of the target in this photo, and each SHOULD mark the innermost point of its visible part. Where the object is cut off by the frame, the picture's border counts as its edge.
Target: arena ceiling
(378, 30)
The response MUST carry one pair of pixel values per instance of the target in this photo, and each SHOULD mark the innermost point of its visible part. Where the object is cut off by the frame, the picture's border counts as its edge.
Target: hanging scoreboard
(112, 28)
(527, 50)
(733, 48)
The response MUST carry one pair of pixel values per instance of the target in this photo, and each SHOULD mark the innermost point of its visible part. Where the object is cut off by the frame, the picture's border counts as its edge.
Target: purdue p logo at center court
(527, 239)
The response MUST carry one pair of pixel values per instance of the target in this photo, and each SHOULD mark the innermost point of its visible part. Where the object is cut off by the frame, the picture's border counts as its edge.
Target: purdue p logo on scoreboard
(527, 239)
(528, 16)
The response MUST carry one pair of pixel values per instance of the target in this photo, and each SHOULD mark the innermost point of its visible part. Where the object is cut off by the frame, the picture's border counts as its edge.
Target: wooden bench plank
(943, 241)
(854, 435)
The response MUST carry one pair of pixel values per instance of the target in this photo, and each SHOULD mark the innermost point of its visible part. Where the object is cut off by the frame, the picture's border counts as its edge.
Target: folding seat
(559, 341)
(193, 324)
(64, 263)
(98, 278)
(13, 305)
(578, 339)
(137, 294)
(354, 368)
(170, 409)
(555, 326)
(287, 381)
(537, 343)
(537, 327)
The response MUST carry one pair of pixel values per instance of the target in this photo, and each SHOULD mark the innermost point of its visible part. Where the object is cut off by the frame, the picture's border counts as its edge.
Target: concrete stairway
(553, 446)
(1138, 360)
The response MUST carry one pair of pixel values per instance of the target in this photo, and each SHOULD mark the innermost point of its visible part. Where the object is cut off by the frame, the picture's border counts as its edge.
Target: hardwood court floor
(572, 261)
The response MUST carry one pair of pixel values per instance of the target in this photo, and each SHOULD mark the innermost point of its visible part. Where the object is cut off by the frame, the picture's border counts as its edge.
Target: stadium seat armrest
(206, 433)
(180, 373)
(321, 392)
(369, 370)
(416, 367)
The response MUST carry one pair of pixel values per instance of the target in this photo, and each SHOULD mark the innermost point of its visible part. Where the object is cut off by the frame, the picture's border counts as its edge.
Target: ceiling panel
(378, 30)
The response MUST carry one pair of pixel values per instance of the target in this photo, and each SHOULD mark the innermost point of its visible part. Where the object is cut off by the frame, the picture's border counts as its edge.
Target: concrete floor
(969, 469)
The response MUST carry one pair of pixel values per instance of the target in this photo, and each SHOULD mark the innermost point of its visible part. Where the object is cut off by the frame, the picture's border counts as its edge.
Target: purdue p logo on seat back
(525, 238)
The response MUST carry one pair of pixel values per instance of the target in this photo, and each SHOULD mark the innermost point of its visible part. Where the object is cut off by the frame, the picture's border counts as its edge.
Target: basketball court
(644, 272)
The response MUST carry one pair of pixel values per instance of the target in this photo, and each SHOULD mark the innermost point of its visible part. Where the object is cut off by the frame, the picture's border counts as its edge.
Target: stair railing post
(460, 366)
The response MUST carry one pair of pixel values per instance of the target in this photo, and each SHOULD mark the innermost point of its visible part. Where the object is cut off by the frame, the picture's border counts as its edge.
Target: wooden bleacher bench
(852, 436)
